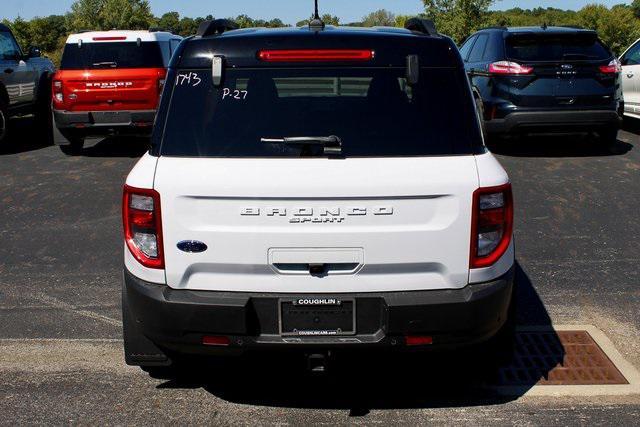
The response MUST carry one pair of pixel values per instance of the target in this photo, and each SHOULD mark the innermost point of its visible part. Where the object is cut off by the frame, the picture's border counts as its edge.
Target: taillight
(613, 67)
(491, 225)
(316, 55)
(143, 226)
(58, 95)
(509, 68)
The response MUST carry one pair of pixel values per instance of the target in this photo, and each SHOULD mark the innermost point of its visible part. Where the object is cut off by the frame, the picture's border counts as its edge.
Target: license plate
(317, 317)
(112, 117)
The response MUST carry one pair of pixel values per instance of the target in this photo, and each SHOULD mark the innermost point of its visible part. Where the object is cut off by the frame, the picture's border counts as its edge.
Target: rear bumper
(177, 320)
(104, 122)
(555, 121)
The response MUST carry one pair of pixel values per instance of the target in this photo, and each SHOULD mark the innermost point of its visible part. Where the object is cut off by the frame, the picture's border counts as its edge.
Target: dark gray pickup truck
(24, 83)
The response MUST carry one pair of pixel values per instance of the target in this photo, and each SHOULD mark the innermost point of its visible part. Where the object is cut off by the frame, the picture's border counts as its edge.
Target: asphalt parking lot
(578, 251)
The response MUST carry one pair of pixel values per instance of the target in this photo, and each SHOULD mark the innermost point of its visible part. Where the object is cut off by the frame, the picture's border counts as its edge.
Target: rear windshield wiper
(332, 144)
(106, 64)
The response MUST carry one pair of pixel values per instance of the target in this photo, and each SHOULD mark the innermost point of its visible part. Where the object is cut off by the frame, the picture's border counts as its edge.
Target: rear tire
(4, 122)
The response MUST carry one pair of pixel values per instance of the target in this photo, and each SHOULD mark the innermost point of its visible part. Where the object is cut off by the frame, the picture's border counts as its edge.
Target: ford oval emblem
(192, 246)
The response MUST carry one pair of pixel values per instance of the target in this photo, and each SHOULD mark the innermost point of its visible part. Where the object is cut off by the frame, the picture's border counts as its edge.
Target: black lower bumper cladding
(176, 321)
(103, 120)
(578, 120)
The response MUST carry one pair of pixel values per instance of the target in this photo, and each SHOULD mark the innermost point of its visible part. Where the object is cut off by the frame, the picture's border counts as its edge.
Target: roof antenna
(316, 23)
(545, 26)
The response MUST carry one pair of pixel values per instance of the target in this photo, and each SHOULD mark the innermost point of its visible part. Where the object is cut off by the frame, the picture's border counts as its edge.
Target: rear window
(112, 55)
(374, 112)
(556, 48)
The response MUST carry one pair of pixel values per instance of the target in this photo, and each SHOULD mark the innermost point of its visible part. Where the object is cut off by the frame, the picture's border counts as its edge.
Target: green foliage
(326, 18)
(380, 17)
(635, 7)
(618, 26)
(245, 21)
(48, 33)
(458, 18)
(110, 14)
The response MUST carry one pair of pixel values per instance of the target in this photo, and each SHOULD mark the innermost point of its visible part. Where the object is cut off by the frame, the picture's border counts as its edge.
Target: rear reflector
(316, 55)
(417, 340)
(216, 341)
(109, 39)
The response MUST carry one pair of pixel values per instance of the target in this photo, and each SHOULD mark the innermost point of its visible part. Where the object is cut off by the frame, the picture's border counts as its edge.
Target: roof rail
(217, 26)
(85, 31)
(420, 25)
(575, 27)
(159, 30)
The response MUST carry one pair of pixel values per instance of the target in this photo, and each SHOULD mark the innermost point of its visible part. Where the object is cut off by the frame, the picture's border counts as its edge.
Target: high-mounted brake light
(491, 225)
(509, 68)
(109, 38)
(613, 67)
(143, 226)
(316, 55)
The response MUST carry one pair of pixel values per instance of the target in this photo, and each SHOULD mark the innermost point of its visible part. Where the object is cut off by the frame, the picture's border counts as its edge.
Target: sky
(290, 11)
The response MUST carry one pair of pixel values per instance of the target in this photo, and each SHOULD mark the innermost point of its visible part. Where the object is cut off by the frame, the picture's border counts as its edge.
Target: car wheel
(4, 121)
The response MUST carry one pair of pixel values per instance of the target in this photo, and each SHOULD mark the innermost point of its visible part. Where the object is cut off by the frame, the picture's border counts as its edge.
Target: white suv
(315, 189)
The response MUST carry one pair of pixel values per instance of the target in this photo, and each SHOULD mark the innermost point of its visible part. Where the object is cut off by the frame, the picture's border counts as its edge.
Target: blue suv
(544, 80)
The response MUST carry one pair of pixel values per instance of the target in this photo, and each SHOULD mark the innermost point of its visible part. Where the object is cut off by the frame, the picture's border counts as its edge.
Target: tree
(458, 18)
(379, 18)
(170, 21)
(109, 14)
(326, 18)
(617, 26)
(635, 6)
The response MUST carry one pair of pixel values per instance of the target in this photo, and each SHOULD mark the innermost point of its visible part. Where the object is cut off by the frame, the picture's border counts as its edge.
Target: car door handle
(8, 70)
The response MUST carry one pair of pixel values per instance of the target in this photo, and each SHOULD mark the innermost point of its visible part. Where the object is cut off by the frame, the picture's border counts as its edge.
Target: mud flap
(57, 137)
(138, 350)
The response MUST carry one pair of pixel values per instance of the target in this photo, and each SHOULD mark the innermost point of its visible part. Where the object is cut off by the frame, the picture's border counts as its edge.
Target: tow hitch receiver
(318, 363)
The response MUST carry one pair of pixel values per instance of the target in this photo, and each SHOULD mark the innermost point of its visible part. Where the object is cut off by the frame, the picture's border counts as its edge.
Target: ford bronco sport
(24, 83)
(110, 82)
(310, 188)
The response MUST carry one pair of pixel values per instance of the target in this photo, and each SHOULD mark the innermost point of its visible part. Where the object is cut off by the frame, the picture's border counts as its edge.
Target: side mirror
(34, 52)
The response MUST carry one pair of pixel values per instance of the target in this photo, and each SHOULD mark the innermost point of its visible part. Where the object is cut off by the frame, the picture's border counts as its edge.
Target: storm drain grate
(559, 358)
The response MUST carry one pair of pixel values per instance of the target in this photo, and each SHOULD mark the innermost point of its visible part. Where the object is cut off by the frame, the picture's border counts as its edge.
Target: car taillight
(509, 68)
(316, 55)
(613, 67)
(143, 226)
(491, 225)
(58, 94)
